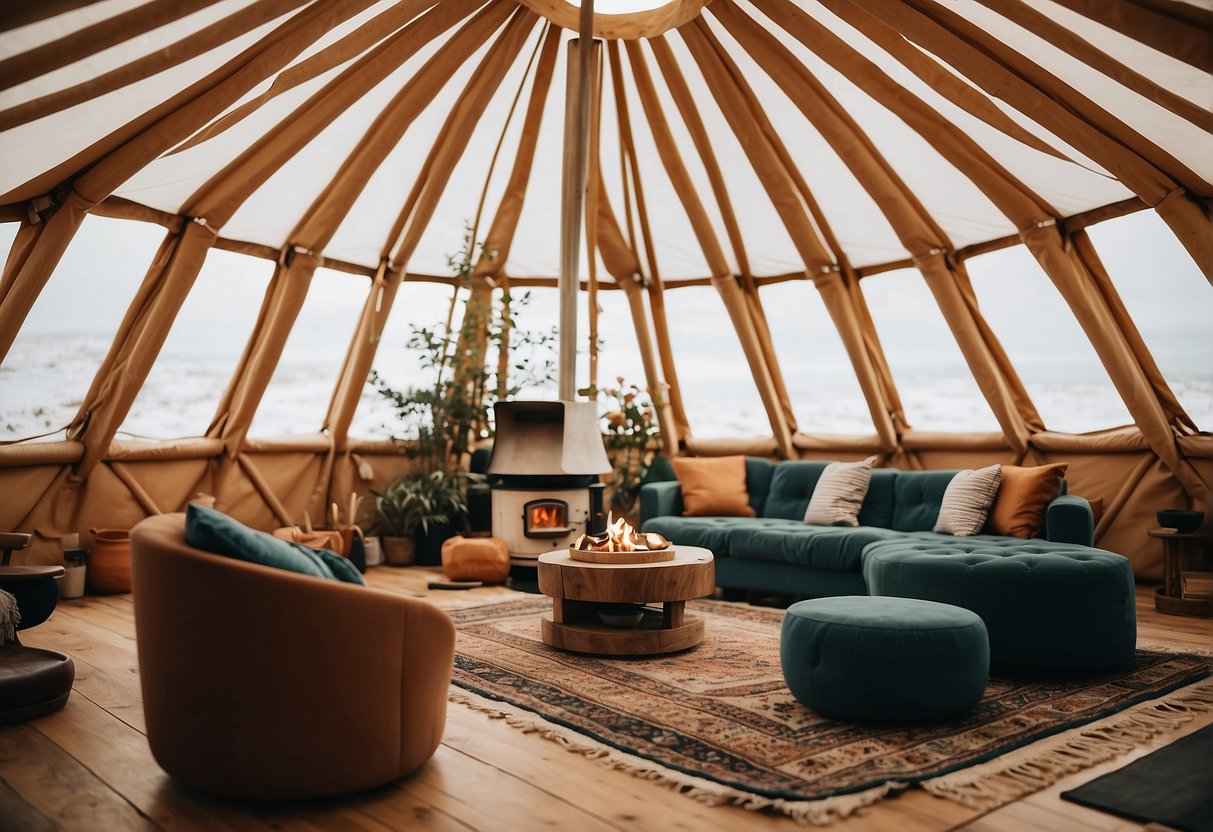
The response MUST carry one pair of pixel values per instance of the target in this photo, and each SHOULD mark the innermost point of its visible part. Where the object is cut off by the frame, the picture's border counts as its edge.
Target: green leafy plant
(416, 500)
(629, 425)
(487, 359)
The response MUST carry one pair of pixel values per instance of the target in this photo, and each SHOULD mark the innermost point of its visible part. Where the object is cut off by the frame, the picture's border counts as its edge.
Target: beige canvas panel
(1179, 29)
(500, 236)
(231, 187)
(23, 486)
(1190, 224)
(170, 484)
(25, 14)
(1137, 122)
(1179, 77)
(459, 125)
(113, 158)
(1073, 44)
(190, 46)
(333, 55)
(87, 41)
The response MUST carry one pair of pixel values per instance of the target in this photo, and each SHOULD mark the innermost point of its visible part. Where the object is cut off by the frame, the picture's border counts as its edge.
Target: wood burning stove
(544, 475)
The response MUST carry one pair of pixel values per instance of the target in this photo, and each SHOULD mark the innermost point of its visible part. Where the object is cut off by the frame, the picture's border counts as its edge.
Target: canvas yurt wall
(947, 233)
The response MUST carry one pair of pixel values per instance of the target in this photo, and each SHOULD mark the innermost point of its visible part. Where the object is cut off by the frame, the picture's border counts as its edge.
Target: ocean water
(47, 375)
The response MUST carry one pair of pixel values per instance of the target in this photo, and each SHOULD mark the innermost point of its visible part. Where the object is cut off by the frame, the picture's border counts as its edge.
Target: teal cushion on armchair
(213, 531)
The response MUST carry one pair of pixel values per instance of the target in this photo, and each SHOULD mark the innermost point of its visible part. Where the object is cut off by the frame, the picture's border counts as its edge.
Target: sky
(65, 337)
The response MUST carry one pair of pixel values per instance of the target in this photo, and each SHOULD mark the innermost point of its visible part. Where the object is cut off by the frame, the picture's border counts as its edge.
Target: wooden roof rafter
(926, 241)
(427, 190)
(191, 46)
(100, 168)
(1071, 43)
(739, 109)
(974, 55)
(656, 315)
(722, 275)
(677, 86)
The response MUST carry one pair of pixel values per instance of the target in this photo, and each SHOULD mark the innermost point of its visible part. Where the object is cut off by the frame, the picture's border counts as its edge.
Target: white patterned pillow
(839, 493)
(967, 501)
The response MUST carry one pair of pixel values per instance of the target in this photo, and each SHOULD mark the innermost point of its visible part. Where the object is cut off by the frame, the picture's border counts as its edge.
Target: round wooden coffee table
(578, 588)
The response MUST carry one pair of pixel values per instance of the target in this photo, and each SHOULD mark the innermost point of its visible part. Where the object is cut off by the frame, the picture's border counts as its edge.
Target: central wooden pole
(576, 153)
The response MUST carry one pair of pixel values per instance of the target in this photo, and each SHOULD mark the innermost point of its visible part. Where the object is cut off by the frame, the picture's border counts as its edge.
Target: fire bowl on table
(622, 616)
(621, 544)
(1180, 520)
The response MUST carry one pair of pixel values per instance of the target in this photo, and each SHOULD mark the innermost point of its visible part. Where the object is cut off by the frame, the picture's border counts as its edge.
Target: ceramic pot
(399, 551)
(374, 552)
(72, 585)
(109, 564)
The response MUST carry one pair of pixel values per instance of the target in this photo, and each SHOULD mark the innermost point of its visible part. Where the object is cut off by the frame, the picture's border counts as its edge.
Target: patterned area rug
(717, 722)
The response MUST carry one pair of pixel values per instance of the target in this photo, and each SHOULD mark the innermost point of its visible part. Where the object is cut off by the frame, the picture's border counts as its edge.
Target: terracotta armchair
(268, 684)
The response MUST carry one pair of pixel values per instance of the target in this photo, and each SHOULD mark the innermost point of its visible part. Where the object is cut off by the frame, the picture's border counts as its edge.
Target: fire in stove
(546, 518)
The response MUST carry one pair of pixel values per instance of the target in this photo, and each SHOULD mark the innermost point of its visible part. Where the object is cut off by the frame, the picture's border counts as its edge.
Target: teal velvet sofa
(777, 552)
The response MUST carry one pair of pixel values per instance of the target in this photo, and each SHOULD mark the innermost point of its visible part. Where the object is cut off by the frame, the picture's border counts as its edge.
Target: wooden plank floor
(88, 767)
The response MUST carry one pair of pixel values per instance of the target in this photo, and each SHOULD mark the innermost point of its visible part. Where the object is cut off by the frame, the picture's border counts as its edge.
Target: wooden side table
(1181, 552)
(578, 587)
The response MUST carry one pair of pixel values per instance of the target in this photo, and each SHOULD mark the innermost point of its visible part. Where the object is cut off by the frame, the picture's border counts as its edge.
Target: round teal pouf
(859, 658)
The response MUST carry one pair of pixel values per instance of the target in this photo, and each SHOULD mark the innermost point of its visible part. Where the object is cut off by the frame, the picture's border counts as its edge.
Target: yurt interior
(606, 415)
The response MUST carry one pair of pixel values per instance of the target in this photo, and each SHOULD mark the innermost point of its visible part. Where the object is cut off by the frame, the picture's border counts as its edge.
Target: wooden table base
(580, 590)
(648, 638)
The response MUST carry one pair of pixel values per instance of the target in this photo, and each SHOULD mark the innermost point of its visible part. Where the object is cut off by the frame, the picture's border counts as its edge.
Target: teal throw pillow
(213, 531)
(342, 568)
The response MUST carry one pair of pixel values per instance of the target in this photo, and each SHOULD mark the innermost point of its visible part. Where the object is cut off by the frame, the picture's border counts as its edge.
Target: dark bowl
(1182, 521)
(620, 615)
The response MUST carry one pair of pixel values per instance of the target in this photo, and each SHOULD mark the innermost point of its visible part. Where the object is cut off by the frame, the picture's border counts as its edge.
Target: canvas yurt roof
(735, 146)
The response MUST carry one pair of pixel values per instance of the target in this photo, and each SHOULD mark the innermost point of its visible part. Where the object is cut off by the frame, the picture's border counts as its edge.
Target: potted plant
(416, 512)
(395, 519)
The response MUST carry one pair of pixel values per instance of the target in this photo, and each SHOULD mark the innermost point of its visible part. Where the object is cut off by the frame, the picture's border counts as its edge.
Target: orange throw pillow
(1023, 496)
(1096, 509)
(713, 486)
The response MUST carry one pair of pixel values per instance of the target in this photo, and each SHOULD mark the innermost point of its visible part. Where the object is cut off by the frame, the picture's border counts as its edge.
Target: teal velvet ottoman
(1050, 607)
(863, 659)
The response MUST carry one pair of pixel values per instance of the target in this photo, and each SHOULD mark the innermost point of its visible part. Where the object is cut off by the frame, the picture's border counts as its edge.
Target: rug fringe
(818, 812)
(1166, 648)
(990, 785)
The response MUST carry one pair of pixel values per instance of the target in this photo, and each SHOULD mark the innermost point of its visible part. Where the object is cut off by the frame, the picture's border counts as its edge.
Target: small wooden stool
(1181, 552)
